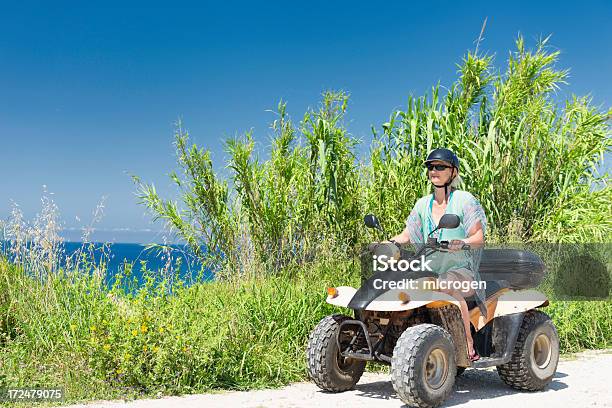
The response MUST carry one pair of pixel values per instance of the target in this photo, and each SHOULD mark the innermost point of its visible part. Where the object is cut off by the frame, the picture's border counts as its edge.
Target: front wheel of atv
(326, 367)
(536, 354)
(423, 366)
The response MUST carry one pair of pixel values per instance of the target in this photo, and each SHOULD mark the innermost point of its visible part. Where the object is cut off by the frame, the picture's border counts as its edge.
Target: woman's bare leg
(466, 323)
(465, 315)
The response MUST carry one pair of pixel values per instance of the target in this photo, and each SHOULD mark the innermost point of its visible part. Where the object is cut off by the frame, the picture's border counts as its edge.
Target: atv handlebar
(434, 245)
(446, 244)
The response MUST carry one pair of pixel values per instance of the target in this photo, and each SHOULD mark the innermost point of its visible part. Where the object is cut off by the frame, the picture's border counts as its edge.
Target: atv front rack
(369, 353)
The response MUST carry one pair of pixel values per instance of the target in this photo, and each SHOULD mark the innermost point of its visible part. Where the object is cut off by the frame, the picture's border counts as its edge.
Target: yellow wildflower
(143, 328)
(134, 332)
(107, 347)
(92, 328)
(155, 349)
(161, 329)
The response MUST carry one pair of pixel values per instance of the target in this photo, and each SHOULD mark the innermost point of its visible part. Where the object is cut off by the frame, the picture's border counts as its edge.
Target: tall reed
(530, 161)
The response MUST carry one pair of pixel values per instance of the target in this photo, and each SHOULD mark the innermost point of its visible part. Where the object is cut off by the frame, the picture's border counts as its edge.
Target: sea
(139, 256)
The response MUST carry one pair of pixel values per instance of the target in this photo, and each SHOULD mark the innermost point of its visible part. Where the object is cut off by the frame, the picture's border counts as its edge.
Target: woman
(462, 266)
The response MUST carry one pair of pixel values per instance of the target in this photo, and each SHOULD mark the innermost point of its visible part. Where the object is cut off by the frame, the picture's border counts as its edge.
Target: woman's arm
(412, 233)
(475, 235)
(475, 222)
(402, 238)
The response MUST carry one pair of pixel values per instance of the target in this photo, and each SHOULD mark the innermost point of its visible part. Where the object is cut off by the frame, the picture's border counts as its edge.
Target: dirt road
(584, 380)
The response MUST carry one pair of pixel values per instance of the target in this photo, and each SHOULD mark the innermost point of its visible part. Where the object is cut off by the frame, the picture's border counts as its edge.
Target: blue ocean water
(117, 255)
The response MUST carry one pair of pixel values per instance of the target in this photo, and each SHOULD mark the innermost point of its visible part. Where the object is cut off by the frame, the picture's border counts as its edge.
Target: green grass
(208, 336)
(217, 335)
(582, 324)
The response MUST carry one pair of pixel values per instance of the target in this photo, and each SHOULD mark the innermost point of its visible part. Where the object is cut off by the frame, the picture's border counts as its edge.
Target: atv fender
(390, 301)
(344, 296)
(520, 301)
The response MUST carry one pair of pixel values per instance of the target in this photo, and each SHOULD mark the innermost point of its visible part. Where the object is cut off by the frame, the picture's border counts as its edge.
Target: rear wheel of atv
(535, 356)
(326, 367)
(423, 365)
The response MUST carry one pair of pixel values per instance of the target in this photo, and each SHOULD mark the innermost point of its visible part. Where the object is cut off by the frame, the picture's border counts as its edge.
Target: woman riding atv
(458, 266)
(419, 331)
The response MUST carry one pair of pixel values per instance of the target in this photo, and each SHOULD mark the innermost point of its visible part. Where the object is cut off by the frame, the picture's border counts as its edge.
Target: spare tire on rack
(516, 269)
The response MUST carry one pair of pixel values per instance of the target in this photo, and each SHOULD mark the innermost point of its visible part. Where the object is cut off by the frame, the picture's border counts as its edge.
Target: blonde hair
(457, 181)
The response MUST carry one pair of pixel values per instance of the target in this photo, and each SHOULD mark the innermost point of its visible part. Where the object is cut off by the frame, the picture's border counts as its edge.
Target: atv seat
(492, 288)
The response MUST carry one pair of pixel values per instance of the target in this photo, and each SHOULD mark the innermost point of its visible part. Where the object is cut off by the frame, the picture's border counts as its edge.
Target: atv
(419, 332)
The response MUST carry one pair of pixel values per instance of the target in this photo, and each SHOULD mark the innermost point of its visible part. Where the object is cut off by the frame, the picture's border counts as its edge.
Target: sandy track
(583, 380)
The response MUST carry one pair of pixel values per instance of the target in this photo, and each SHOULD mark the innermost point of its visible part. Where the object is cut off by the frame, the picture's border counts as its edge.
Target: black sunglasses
(438, 167)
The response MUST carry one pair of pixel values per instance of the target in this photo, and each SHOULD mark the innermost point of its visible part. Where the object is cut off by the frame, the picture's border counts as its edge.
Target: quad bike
(420, 333)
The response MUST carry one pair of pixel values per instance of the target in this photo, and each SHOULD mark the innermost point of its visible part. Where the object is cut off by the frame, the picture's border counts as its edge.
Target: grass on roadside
(217, 335)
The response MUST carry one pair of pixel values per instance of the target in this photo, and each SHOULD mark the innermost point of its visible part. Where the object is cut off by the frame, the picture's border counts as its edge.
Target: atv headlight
(332, 292)
(403, 296)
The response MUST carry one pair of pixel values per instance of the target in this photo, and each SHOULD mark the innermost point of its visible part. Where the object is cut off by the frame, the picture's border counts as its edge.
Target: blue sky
(90, 93)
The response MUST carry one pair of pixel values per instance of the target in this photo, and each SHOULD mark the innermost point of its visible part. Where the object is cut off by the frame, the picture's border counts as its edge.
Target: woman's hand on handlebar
(457, 245)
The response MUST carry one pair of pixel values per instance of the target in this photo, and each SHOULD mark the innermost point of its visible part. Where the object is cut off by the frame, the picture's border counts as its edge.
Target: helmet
(442, 154)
